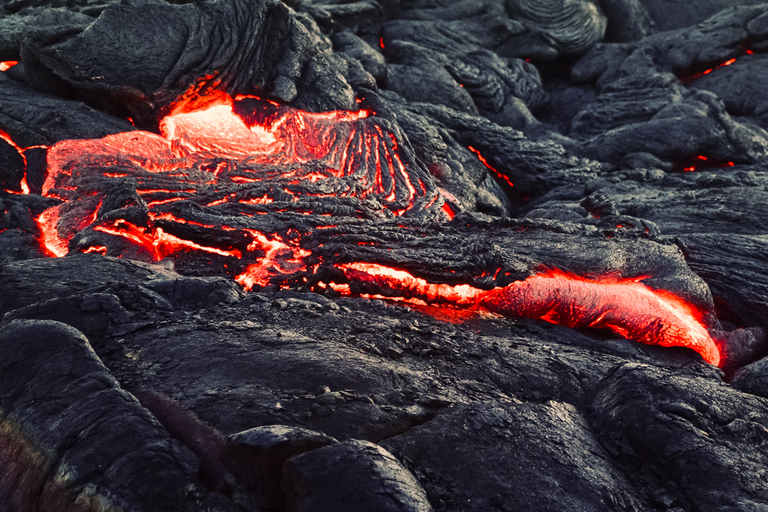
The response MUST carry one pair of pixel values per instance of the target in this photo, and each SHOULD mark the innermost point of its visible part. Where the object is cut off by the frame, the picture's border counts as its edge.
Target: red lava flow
(627, 307)
(271, 134)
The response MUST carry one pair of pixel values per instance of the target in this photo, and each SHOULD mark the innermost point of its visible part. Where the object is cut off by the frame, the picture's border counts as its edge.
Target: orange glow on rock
(493, 170)
(626, 306)
(346, 146)
(279, 258)
(159, 243)
(255, 156)
(7, 64)
(686, 79)
(96, 249)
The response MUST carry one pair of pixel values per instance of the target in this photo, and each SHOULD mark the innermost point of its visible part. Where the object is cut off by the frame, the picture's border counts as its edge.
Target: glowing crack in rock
(23, 184)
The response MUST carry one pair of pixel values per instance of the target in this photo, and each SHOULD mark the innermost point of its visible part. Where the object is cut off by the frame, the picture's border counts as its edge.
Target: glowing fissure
(279, 258)
(493, 170)
(627, 307)
(159, 243)
(703, 162)
(53, 246)
(688, 78)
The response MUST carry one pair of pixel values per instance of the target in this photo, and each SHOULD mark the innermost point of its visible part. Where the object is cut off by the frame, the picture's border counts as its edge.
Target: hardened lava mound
(376, 255)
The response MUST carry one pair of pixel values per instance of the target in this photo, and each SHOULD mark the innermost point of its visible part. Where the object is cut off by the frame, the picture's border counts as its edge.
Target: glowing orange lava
(159, 243)
(686, 79)
(47, 221)
(7, 64)
(351, 157)
(279, 258)
(233, 159)
(627, 307)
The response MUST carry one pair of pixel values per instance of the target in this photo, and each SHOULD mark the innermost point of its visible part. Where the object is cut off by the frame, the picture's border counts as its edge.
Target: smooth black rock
(256, 457)
(681, 422)
(11, 168)
(350, 476)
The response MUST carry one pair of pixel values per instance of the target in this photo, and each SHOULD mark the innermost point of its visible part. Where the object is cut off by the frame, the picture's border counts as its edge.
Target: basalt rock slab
(753, 378)
(739, 292)
(628, 20)
(669, 15)
(727, 200)
(137, 284)
(737, 85)
(256, 457)
(298, 359)
(506, 453)
(74, 440)
(683, 421)
(12, 165)
(543, 29)
(348, 476)
(32, 118)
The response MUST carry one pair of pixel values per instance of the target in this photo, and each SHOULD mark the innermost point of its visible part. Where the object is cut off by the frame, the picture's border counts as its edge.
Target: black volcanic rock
(607, 141)
(296, 359)
(349, 476)
(738, 86)
(256, 457)
(33, 118)
(65, 415)
(502, 462)
(670, 14)
(139, 69)
(11, 167)
(683, 421)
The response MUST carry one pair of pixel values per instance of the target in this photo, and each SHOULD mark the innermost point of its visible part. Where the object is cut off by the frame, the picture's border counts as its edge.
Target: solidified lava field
(383, 255)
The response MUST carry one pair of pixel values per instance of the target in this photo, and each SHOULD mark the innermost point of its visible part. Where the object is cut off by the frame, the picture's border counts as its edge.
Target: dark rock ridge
(476, 143)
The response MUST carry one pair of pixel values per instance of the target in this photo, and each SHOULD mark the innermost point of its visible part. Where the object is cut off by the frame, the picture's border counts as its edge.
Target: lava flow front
(238, 186)
(627, 307)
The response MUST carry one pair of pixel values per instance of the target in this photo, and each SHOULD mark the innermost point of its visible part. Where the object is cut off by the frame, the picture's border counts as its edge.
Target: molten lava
(627, 307)
(241, 183)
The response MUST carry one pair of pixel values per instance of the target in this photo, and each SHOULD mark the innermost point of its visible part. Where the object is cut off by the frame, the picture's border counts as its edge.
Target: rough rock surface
(72, 439)
(624, 140)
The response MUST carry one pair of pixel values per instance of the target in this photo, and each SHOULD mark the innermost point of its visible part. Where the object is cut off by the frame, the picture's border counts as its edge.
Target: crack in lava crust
(238, 186)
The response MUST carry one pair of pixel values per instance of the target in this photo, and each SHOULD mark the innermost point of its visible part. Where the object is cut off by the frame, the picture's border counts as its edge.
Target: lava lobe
(224, 184)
